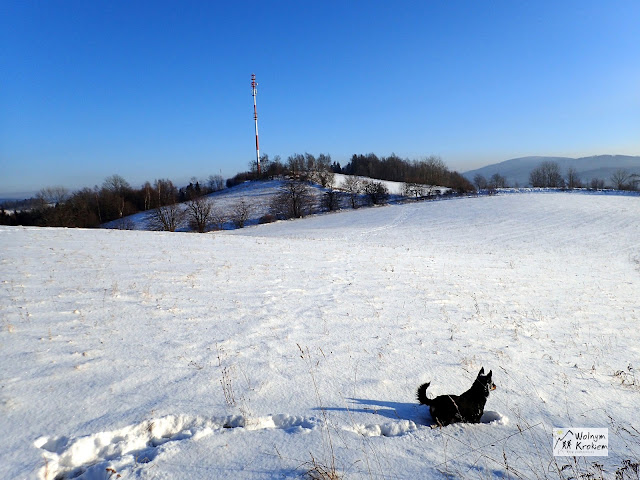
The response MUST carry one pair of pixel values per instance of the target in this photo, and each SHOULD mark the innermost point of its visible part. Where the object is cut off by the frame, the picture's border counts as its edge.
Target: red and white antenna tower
(254, 92)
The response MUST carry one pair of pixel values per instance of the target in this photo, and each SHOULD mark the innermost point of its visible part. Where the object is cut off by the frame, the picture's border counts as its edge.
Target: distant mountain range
(517, 170)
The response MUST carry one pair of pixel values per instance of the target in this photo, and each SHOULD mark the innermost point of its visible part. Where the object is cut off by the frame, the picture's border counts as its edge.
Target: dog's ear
(489, 374)
(481, 371)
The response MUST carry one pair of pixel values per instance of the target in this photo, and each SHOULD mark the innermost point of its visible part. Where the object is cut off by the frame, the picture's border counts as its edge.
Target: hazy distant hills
(517, 170)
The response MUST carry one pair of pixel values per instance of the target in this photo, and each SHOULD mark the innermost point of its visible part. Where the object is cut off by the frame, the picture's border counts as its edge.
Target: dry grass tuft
(316, 470)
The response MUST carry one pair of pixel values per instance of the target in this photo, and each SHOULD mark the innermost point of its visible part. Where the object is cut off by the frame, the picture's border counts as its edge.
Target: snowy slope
(242, 354)
(258, 195)
(394, 188)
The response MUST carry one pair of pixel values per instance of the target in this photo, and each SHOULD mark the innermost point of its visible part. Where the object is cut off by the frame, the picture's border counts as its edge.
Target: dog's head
(485, 381)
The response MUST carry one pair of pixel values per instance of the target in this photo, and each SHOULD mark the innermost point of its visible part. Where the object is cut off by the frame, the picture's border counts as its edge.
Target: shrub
(330, 200)
(376, 192)
(268, 218)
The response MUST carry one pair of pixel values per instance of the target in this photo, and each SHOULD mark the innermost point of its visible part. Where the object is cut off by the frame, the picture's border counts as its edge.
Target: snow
(394, 188)
(258, 195)
(252, 353)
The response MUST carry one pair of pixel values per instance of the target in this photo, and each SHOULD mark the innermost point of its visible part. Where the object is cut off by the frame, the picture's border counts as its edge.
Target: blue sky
(161, 89)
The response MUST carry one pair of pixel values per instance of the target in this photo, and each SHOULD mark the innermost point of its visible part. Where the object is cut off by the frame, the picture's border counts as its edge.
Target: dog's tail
(422, 394)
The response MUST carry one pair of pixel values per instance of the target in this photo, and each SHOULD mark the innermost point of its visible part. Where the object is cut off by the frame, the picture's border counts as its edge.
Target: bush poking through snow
(318, 471)
(267, 218)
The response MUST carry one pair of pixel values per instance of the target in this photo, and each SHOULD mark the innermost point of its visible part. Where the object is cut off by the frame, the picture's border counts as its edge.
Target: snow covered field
(245, 354)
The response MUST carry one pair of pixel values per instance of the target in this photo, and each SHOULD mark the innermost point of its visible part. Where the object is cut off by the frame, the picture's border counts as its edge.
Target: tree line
(299, 166)
(548, 175)
(429, 171)
(91, 207)
(116, 199)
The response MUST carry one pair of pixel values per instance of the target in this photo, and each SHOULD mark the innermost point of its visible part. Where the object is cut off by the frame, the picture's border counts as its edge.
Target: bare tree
(353, 186)
(114, 193)
(51, 205)
(536, 178)
(241, 213)
(309, 163)
(199, 212)
(331, 200)
(52, 196)
(166, 192)
(597, 184)
(547, 174)
(434, 171)
(620, 179)
(218, 219)
(116, 184)
(265, 164)
(215, 183)
(275, 168)
(323, 173)
(497, 181)
(573, 179)
(293, 201)
(480, 181)
(147, 190)
(167, 217)
(296, 164)
(325, 178)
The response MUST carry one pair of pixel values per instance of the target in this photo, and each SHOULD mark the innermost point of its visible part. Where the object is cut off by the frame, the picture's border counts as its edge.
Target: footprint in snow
(90, 456)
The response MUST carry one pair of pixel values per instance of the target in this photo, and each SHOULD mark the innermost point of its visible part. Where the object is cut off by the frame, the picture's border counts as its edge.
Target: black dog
(468, 407)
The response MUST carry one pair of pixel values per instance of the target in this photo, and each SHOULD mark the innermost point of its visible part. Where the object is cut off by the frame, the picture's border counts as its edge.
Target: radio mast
(254, 92)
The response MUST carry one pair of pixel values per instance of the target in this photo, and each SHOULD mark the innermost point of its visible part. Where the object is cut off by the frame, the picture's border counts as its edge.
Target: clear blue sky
(161, 89)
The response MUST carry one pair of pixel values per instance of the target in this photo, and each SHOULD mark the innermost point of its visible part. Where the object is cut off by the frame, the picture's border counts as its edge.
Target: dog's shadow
(400, 411)
(392, 410)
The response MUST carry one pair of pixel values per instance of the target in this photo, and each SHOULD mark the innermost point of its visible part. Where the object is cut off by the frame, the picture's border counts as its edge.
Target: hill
(259, 195)
(603, 167)
(241, 354)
